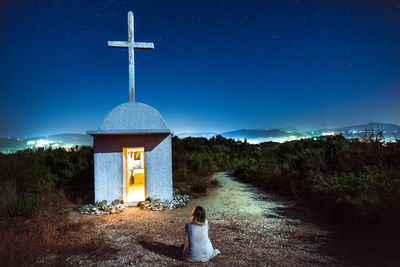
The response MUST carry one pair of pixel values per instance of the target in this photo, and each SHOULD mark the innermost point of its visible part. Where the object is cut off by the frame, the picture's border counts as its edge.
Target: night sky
(217, 65)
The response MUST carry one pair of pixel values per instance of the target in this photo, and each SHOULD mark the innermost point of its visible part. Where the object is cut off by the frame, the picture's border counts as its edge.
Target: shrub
(35, 180)
(198, 189)
(31, 179)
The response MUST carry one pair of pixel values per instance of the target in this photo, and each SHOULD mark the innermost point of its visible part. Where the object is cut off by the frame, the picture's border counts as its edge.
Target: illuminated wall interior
(134, 174)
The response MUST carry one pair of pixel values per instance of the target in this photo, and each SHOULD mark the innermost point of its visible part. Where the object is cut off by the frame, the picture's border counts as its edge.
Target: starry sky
(217, 65)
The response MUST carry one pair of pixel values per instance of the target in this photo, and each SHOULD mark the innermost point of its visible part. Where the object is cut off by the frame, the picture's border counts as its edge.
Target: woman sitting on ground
(198, 247)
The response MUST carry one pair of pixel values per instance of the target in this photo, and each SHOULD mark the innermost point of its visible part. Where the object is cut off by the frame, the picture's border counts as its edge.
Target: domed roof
(132, 117)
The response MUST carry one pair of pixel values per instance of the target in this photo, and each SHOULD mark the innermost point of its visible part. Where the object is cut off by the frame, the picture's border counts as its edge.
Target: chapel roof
(131, 118)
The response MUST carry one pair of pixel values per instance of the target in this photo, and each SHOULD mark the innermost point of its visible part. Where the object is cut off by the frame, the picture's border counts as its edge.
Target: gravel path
(250, 228)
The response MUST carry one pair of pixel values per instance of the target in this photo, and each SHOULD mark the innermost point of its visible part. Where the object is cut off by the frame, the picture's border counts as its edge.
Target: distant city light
(42, 143)
(328, 133)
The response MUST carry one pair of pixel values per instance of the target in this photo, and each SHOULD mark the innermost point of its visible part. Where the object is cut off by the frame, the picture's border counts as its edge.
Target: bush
(36, 180)
(32, 179)
(198, 189)
(194, 160)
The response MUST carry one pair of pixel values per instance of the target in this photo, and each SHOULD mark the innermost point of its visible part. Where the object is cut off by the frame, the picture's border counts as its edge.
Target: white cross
(131, 45)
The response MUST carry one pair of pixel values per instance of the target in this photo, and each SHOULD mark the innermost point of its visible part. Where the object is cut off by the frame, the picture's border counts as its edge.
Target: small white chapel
(132, 146)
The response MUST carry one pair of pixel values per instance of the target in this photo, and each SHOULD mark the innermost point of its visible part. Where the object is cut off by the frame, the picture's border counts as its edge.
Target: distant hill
(386, 127)
(206, 135)
(390, 131)
(13, 144)
(73, 139)
(251, 134)
(258, 136)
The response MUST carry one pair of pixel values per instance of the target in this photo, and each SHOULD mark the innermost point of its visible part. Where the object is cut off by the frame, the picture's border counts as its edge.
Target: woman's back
(198, 247)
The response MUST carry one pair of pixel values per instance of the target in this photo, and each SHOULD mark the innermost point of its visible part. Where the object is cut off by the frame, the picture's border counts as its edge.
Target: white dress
(198, 247)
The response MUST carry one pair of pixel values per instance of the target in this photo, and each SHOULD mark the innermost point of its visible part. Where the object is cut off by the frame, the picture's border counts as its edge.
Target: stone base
(132, 204)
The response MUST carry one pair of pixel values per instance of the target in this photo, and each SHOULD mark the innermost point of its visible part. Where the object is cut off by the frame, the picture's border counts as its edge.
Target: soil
(248, 226)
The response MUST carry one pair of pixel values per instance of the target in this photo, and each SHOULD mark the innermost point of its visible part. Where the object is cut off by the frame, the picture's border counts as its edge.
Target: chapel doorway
(134, 174)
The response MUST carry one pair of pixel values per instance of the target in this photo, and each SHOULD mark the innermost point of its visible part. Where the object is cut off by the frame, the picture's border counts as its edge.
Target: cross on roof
(131, 45)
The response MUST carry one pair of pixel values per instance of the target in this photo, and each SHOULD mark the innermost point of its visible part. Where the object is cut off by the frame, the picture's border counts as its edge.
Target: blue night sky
(217, 65)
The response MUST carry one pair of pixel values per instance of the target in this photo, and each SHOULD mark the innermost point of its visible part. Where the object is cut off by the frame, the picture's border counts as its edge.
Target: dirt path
(249, 227)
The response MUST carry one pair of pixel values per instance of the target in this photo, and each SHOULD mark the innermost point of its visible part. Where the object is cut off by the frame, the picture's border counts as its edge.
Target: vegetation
(32, 179)
(194, 160)
(356, 183)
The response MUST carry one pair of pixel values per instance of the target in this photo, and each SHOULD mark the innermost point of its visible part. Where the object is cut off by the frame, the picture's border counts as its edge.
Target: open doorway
(134, 174)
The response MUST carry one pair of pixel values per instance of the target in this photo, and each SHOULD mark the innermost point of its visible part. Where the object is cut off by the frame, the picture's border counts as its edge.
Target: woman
(198, 247)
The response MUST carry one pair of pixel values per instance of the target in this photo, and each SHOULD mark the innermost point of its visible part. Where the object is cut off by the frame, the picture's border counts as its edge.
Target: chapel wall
(158, 164)
(108, 182)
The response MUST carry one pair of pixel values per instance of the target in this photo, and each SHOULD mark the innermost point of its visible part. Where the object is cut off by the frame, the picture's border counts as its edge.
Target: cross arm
(118, 44)
(141, 45)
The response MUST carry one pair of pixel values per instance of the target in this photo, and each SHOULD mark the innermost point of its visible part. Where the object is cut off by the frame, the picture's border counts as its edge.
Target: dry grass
(22, 243)
(241, 222)
(234, 226)
(48, 239)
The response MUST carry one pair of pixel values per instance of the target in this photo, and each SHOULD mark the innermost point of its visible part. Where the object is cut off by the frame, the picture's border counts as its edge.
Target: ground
(248, 226)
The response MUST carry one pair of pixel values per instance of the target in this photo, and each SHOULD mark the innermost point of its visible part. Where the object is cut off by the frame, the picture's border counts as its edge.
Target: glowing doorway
(134, 174)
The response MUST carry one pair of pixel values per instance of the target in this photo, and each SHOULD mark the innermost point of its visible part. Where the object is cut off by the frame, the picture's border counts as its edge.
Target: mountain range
(13, 144)
(390, 132)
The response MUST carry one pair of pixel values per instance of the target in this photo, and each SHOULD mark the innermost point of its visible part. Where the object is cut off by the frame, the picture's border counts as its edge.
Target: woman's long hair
(198, 216)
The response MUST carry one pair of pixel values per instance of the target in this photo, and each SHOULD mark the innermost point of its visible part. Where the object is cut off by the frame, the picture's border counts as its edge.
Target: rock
(157, 205)
(116, 202)
(103, 207)
(102, 203)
